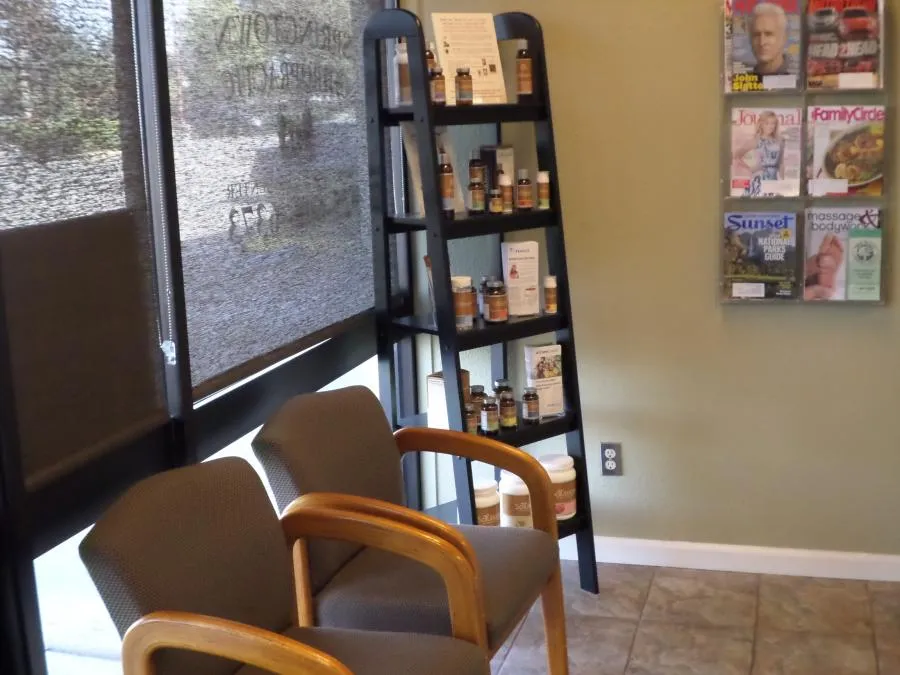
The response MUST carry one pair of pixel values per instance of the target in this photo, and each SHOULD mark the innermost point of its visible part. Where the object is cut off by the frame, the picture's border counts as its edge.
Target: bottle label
(507, 196)
(447, 191)
(404, 83)
(524, 81)
(531, 409)
(515, 510)
(550, 306)
(438, 90)
(525, 197)
(463, 91)
(472, 424)
(508, 416)
(476, 199)
(497, 307)
(490, 420)
(489, 515)
(543, 195)
(478, 174)
(564, 499)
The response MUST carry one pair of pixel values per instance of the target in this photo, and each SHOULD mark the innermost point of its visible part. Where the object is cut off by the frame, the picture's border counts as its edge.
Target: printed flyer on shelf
(844, 44)
(765, 152)
(845, 150)
(762, 44)
(759, 256)
(842, 257)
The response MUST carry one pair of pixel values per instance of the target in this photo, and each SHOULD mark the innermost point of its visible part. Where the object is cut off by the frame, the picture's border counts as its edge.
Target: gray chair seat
(368, 653)
(377, 590)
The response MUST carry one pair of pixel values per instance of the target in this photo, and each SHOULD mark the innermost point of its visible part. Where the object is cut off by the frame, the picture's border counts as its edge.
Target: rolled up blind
(82, 331)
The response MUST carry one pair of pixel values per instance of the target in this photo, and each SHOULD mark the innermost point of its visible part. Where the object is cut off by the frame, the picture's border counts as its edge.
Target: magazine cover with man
(762, 44)
(765, 152)
(842, 256)
(845, 152)
(844, 41)
(759, 256)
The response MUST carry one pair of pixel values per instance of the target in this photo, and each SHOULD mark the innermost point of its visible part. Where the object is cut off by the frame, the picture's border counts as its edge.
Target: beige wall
(768, 425)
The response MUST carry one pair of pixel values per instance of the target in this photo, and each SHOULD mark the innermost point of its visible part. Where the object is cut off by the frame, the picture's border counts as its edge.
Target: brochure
(765, 152)
(470, 41)
(760, 256)
(521, 274)
(543, 371)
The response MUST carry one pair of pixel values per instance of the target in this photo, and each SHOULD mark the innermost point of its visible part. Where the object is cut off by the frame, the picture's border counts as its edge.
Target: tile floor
(659, 621)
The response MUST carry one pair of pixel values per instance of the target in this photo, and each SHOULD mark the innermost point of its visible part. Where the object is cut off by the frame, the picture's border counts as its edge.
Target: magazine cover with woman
(762, 44)
(843, 49)
(765, 152)
(845, 150)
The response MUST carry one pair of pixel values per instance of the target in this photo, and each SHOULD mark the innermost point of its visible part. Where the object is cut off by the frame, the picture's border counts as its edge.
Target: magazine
(845, 153)
(765, 152)
(762, 44)
(543, 371)
(760, 255)
(844, 42)
(842, 257)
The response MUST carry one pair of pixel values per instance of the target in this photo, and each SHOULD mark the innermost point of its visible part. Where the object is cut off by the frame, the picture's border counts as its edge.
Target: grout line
(755, 636)
(640, 620)
(871, 604)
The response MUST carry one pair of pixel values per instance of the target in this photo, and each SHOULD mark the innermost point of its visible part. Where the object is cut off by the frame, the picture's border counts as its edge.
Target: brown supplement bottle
(404, 82)
(550, 295)
(447, 186)
(476, 395)
(471, 421)
(524, 192)
(430, 60)
(464, 94)
(508, 412)
(531, 408)
(476, 198)
(495, 202)
(477, 169)
(502, 385)
(490, 417)
(438, 86)
(496, 303)
(524, 71)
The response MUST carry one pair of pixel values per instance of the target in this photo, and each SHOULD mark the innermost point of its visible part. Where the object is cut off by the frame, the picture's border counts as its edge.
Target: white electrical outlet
(612, 459)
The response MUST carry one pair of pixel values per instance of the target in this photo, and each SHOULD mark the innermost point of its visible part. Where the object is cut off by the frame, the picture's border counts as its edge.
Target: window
(271, 175)
(66, 104)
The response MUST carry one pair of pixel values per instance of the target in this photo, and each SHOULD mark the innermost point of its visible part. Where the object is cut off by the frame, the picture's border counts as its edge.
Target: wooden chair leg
(554, 612)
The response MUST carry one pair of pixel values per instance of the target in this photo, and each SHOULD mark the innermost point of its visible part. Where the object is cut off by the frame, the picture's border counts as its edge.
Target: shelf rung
(485, 334)
(493, 113)
(524, 434)
(466, 225)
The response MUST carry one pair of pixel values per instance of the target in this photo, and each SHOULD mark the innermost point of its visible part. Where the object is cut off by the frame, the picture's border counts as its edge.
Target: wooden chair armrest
(219, 637)
(466, 611)
(481, 449)
(395, 512)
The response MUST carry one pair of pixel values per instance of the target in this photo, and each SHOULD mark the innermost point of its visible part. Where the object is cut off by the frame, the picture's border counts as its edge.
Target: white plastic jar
(515, 502)
(487, 503)
(561, 469)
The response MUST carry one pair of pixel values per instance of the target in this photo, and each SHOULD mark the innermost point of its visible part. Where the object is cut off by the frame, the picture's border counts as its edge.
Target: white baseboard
(731, 558)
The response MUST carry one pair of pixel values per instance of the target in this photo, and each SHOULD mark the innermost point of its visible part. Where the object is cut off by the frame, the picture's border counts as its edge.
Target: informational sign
(470, 41)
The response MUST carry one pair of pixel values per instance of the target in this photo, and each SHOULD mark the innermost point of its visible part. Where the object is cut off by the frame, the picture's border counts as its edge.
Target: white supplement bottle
(515, 502)
(487, 503)
(561, 469)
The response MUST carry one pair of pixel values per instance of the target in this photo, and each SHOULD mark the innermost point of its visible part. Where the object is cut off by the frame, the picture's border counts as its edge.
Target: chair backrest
(335, 441)
(203, 539)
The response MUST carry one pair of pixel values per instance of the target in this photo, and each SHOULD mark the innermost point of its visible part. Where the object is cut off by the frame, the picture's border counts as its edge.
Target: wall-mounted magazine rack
(803, 151)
